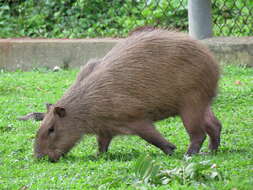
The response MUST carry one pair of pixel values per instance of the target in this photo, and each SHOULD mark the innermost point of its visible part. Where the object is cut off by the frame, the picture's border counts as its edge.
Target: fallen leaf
(237, 82)
(23, 188)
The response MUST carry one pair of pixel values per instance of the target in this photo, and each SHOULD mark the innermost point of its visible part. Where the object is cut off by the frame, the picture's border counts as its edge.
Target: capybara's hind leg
(147, 131)
(193, 122)
(213, 129)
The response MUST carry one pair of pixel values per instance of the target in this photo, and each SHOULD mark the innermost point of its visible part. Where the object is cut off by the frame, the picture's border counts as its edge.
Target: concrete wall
(232, 50)
(26, 54)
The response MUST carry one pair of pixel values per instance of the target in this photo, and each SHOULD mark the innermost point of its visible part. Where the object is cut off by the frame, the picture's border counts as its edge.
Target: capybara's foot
(214, 145)
(169, 149)
(194, 147)
(192, 151)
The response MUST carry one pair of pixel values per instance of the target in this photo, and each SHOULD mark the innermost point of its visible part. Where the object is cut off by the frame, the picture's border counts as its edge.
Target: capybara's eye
(51, 130)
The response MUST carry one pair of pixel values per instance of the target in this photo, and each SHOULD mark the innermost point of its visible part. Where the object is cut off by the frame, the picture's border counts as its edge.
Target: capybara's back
(155, 74)
(148, 76)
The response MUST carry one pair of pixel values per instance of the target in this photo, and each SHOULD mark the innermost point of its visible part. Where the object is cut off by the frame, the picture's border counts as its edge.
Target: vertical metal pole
(200, 18)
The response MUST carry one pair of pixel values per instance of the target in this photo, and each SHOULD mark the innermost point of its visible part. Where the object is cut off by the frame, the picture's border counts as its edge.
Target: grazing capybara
(147, 77)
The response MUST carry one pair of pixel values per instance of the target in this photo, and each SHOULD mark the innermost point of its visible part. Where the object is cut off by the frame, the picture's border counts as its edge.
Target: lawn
(130, 163)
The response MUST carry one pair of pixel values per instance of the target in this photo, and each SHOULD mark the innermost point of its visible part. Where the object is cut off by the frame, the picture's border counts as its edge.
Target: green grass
(23, 92)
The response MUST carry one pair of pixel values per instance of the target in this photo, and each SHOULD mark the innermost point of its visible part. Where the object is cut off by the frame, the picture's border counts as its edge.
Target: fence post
(200, 19)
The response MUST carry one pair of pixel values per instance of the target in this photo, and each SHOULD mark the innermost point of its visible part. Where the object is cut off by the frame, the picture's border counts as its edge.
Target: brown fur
(147, 77)
(142, 29)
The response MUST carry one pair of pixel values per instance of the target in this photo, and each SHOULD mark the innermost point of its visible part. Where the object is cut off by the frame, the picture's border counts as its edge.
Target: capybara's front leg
(103, 143)
(147, 131)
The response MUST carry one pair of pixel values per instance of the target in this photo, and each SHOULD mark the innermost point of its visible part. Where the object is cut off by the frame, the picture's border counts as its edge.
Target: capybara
(147, 77)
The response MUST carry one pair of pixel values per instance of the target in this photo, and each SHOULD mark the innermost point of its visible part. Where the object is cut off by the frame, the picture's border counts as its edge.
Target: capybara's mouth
(54, 156)
(51, 159)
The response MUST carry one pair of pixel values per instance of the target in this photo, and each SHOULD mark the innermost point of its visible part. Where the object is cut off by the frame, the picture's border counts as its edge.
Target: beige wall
(26, 54)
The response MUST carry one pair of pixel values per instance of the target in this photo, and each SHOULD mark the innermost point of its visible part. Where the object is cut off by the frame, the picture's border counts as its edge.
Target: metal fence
(230, 17)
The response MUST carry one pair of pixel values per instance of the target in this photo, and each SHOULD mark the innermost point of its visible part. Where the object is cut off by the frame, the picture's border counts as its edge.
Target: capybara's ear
(48, 106)
(61, 112)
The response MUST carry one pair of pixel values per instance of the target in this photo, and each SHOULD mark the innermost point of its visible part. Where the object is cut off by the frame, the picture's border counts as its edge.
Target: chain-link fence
(232, 17)
(99, 18)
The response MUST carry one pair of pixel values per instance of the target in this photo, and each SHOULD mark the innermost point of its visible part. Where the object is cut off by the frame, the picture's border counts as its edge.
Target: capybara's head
(54, 137)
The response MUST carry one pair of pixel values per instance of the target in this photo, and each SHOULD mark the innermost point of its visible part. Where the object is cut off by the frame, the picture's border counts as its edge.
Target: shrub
(112, 18)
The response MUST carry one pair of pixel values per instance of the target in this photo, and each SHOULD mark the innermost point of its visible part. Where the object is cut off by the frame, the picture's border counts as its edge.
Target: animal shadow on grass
(227, 151)
(114, 156)
(121, 156)
(108, 156)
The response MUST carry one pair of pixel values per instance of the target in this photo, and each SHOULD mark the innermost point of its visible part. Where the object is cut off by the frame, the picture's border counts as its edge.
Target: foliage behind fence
(99, 18)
